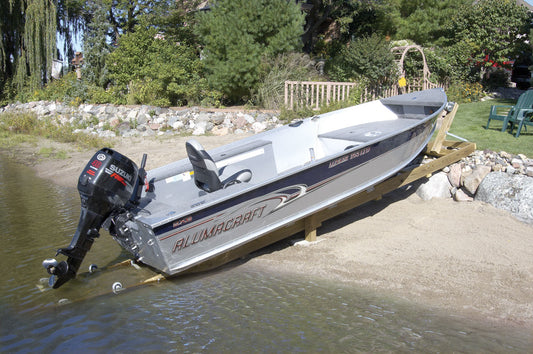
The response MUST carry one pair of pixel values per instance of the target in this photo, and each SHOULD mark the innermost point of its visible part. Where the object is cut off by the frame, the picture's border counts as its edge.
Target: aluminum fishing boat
(188, 212)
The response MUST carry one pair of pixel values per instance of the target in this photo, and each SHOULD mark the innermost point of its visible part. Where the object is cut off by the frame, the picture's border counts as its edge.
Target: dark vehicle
(521, 74)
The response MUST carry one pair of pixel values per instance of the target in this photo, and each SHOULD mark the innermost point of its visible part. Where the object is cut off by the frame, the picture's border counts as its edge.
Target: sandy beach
(466, 258)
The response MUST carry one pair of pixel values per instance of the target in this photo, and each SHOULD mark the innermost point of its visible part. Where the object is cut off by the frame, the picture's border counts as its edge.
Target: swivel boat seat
(206, 174)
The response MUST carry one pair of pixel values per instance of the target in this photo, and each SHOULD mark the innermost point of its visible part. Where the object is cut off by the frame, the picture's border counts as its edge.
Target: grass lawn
(471, 119)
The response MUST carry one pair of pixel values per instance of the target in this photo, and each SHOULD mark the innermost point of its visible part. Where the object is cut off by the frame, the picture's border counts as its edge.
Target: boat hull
(205, 234)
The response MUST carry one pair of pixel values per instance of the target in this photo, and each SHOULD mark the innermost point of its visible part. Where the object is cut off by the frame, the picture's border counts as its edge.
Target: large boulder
(437, 186)
(513, 193)
(471, 182)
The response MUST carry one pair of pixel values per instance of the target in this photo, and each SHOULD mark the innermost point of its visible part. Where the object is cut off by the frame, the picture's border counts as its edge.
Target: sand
(466, 258)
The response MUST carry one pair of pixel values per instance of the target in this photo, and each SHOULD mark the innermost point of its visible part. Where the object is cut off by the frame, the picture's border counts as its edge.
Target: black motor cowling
(109, 183)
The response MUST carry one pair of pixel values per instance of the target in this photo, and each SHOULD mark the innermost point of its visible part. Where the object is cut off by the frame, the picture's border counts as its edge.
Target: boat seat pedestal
(206, 174)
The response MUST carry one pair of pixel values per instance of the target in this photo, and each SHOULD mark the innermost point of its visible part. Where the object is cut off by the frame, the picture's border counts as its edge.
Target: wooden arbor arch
(401, 52)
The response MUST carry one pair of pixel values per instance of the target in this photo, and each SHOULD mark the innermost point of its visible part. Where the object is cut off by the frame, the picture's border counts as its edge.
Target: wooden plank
(435, 145)
(311, 223)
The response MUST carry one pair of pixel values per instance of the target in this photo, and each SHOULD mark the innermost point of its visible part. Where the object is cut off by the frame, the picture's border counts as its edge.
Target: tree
(485, 34)
(351, 19)
(28, 33)
(425, 21)
(28, 30)
(108, 20)
(152, 68)
(96, 45)
(237, 34)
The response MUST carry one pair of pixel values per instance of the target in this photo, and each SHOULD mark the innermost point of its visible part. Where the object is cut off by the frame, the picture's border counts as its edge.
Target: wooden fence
(313, 94)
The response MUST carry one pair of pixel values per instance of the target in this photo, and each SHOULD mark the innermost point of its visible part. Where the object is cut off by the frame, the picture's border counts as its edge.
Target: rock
(218, 118)
(177, 125)
(240, 122)
(472, 181)
(220, 131)
(454, 175)
(172, 119)
(154, 126)
(143, 118)
(529, 171)
(160, 120)
(132, 115)
(148, 132)
(124, 128)
(513, 193)
(505, 155)
(199, 128)
(258, 127)
(203, 117)
(517, 163)
(107, 134)
(114, 122)
(461, 196)
(437, 186)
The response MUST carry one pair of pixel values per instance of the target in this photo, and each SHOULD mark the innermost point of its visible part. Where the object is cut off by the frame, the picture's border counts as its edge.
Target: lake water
(237, 308)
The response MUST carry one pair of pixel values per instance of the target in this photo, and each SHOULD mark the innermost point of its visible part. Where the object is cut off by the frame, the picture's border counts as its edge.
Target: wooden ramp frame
(446, 153)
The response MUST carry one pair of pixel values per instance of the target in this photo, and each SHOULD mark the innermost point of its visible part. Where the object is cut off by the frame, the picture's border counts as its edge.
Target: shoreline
(467, 258)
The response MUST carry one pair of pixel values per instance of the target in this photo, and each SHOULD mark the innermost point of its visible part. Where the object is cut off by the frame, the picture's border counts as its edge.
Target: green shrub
(154, 70)
(366, 58)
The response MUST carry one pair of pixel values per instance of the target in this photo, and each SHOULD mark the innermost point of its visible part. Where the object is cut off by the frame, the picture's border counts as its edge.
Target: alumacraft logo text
(218, 228)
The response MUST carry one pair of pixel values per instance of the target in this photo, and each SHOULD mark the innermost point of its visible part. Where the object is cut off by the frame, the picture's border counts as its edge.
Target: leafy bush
(99, 95)
(67, 89)
(152, 69)
(18, 123)
(367, 58)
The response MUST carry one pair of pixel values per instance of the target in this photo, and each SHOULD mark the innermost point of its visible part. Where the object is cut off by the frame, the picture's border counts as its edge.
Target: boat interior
(223, 172)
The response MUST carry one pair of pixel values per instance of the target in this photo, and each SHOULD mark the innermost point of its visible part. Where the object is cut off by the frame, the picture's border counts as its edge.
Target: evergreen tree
(425, 21)
(237, 34)
(96, 44)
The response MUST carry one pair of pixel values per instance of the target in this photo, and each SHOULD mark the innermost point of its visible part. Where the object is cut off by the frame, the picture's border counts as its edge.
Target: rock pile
(501, 179)
(111, 120)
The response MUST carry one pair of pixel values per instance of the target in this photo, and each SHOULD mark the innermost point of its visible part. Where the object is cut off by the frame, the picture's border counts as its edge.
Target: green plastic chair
(523, 121)
(519, 114)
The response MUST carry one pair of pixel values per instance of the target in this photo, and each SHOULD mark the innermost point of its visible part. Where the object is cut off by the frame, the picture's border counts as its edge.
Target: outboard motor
(109, 183)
